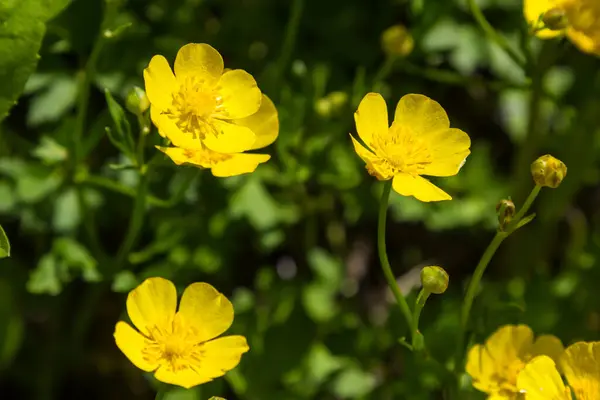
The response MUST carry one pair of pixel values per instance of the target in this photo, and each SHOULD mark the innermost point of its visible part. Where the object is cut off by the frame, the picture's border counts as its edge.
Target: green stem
(526, 206)
(495, 36)
(383, 72)
(289, 42)
(383, 258)
(419, 304)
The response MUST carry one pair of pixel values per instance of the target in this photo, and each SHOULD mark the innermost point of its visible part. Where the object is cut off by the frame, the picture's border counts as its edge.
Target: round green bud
(397, 41)
(137, 102)
(555, 19)
(548, 171)
(434, 279)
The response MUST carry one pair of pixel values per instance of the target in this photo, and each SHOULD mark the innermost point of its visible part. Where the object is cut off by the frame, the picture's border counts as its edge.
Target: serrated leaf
(22, 29)
(4, 244)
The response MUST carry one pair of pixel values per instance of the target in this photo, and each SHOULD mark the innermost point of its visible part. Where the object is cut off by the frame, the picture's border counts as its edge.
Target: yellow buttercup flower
(582, 21)
(179, 345)
(495, 365)
(580, 364)
(264, 124)
(419, 142)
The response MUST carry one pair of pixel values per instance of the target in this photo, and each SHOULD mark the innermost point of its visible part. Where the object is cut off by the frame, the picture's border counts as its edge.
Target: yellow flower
(265, 125)
(179, 345)
(419, 142)
(583, 16)
(494, 366)
(581, 366)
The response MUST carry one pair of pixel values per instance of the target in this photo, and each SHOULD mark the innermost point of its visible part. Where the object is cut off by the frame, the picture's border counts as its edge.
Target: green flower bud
(506, 211)
(555, 19)
(137, 102)
(434, 279)
(548, 171)
(397, 41)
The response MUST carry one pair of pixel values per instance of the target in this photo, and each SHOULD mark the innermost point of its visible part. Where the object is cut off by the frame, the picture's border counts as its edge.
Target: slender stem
(495, 36)
(383, 72)
(526, 206)
(383, 258)
(289, 42)
(419, 304)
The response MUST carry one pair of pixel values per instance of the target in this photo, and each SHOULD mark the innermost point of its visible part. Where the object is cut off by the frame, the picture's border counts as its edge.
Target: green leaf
(124, 282)
(354, 383)
(121, 138)
(22, 28)
(4, 244)
(50, 151)
(45, 278)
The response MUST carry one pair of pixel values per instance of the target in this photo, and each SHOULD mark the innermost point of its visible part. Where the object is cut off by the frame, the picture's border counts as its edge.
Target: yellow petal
(167, 128)
(160, 82)
(376, 166)
(240, 96)
(449, 149)
(509, 343)
(264, 123)
(231, 138)
(208, 312)
(420, 188)
(540, 380)
(184, 156)
(584, 42)
(423, 115)
(222, 355)
(482, 369)
(152, 305)
(238, 164)
(186, 377)
(199, 61)
(581, 366)
(371, 117)
(548, 345)
(533, 9)
(132, 344)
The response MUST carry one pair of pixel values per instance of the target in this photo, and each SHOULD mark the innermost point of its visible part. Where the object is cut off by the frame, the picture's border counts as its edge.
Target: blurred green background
(293, 244)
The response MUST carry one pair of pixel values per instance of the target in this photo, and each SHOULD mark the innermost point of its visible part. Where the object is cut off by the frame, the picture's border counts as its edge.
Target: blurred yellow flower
(582, 16)
(179, 345)
(265, 125)
(397, 41)
(580, 364)
(210, 115)
(495, 365)
(419, 142)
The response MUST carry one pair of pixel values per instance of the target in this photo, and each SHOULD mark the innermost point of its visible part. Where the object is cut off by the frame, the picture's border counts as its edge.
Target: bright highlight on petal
(180, 347)
(209, 114)
(540, 380)
(419, 142)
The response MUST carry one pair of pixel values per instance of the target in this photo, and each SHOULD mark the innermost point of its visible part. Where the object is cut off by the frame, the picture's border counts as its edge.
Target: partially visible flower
(581, 17)
(495, 365)
(548, 171)
(581, 366)
(265, 125)
(419, 142)
(179, 345)
(397, 41)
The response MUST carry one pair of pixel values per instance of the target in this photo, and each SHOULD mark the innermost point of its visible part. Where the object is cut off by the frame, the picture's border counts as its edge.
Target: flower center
(176, 351)
(403, 150)
(193, 107)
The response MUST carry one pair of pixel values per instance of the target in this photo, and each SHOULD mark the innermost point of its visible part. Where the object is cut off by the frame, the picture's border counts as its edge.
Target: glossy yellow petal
(199, 61)
(264, 123)
(186, 377)
(420, 188)
(584, 42)
(581, 366)
(548, 345)
(533, 9)
(371, 118)
(376, 165)
(160, 83)
(239, 95)
(238, 164)
(168, 129)
(132, 344)
(540, 380)
(152, 305)
(510, 342)
(482, 369)
(231, 138)
(449, 149)
(184, 156)
(423, 115)
(222, 355)
(206, 311)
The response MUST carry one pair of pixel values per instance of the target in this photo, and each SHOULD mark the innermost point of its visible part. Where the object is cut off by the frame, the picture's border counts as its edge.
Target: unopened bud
(506, 211)
(137, 102)
(397, 41)
(555, 19)
(548, 171)
(331, 104)
(434, 279)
